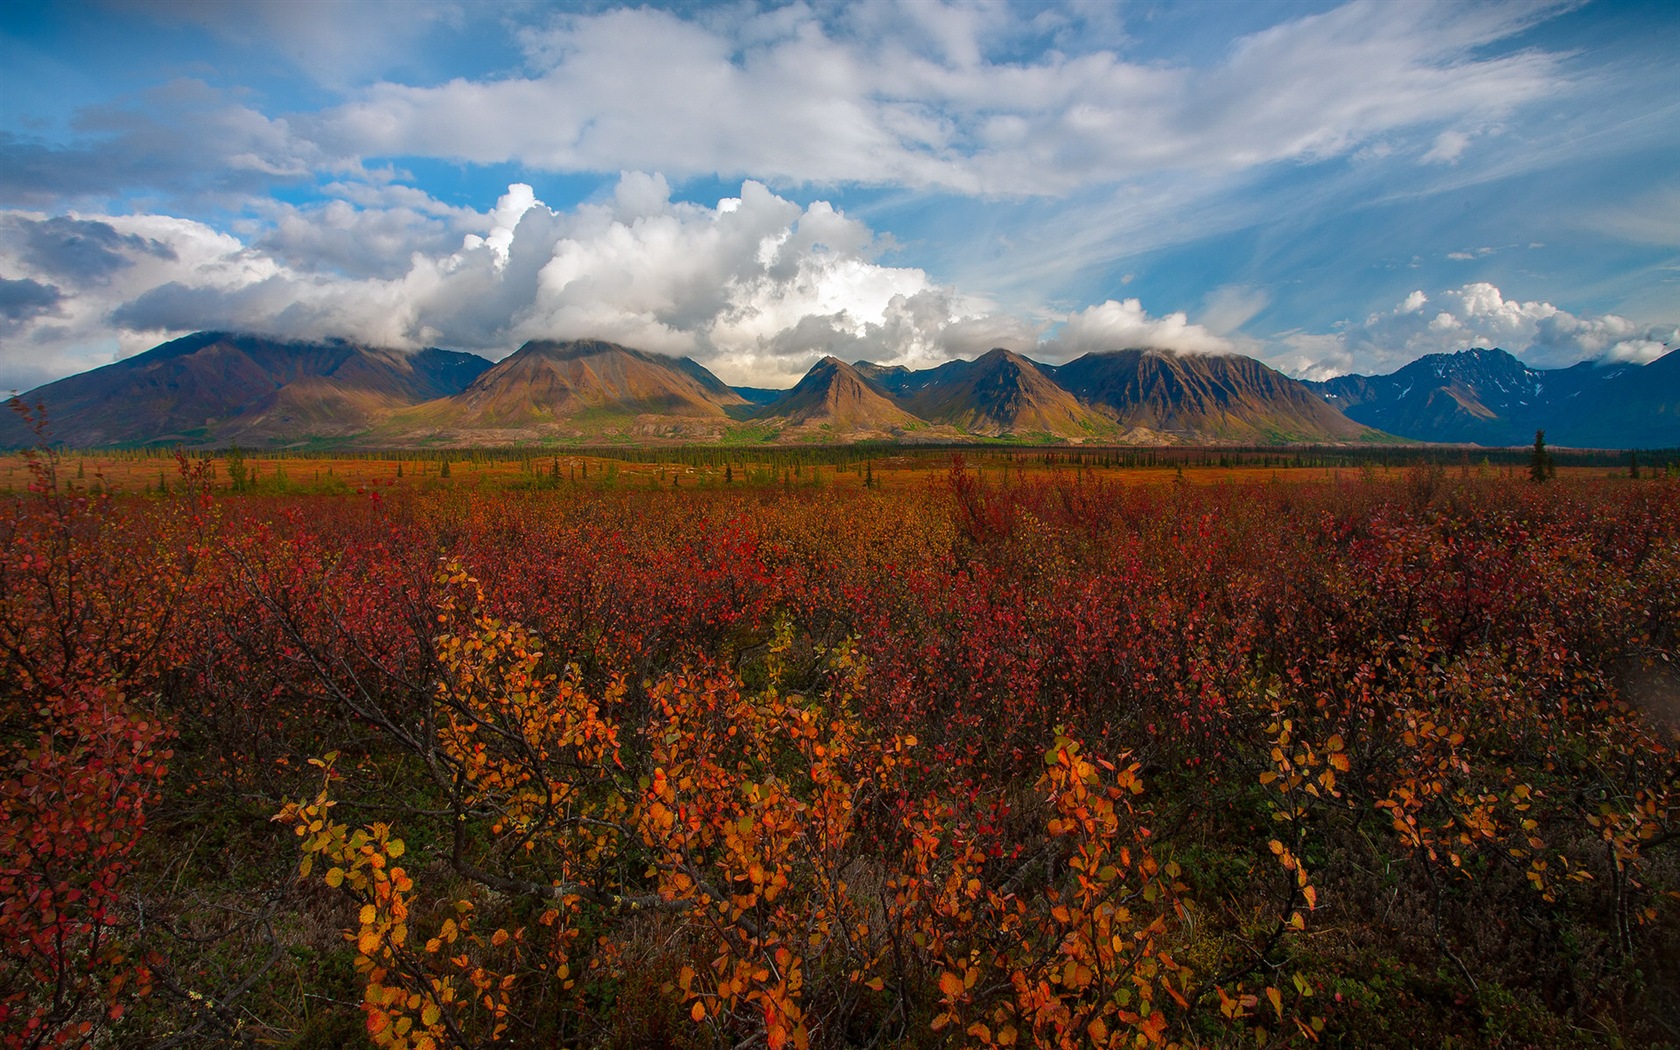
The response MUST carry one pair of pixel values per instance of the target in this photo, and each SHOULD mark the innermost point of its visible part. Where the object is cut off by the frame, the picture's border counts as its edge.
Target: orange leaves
(750, 810)
(951, 985)
(1069, 965)
(411, 1001)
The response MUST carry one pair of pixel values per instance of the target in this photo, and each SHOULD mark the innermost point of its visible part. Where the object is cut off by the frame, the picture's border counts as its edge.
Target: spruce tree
(1539, 461)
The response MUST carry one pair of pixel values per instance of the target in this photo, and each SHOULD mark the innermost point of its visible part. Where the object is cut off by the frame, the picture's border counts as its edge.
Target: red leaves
(72, 809)
(786, 760)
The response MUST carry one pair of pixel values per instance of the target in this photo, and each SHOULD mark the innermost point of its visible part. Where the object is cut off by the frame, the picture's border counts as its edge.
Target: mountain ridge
(216, 388)
(1487, 396)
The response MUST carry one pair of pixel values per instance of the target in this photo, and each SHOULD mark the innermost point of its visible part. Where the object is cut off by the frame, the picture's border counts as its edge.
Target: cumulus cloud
(22, 300)
(756, 285)
(77, 249)
(1474, 315)
(337, 237)
(1115, 325)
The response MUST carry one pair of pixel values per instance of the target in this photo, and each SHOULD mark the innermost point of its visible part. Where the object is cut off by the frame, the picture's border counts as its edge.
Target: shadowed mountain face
(837, 396)
(217, 388)
(1162, 396)
(1488, 397)
(1638, 407)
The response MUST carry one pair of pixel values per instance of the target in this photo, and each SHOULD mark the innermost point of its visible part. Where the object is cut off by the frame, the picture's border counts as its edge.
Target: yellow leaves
(697, 1012)
(1276, 998)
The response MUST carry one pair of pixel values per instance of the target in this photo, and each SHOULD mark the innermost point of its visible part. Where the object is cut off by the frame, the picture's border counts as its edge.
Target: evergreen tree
(1539, 461)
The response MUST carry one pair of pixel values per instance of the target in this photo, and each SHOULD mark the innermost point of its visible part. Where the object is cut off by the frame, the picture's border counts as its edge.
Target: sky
(1328, 187)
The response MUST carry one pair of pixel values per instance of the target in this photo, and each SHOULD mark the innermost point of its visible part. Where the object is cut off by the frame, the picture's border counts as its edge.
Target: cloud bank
(756, 286)
(1474, 315)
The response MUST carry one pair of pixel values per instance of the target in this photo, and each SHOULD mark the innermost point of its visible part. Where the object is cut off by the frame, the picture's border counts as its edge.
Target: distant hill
(584, 389)
(1000, 393)
(219, 388)
(1488, 397)
(1164, 397)
(837, 399)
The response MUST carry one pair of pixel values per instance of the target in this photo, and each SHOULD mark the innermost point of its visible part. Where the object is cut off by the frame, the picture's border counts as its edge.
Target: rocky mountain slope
(1156, 397)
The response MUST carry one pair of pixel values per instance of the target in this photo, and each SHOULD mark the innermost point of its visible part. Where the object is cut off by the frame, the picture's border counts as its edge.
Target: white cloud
(1115, 325)
(1228, 307)
(1474, 315)
(910, 95)
(757, 286)
(1449, 146)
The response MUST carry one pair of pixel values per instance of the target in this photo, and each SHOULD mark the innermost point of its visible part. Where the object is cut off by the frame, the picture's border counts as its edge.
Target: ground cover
(889, 750)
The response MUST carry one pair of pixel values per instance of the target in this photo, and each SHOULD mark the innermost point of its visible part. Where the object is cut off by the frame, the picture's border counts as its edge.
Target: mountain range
(1488, 397)
(217, 389)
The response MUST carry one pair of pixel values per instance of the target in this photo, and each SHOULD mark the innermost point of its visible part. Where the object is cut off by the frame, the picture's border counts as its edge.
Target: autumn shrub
(1002, 760)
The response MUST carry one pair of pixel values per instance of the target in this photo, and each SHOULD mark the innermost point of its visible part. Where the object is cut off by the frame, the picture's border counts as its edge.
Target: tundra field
(838, 749)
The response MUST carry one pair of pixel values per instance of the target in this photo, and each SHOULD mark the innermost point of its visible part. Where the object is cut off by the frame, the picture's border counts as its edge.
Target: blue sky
(1328, 187)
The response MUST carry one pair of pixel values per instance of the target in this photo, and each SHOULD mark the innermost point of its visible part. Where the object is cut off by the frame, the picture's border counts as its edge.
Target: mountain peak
(835, 395)
(549, 382)
(1000, 392)
(216, 387)
(1166, 396)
